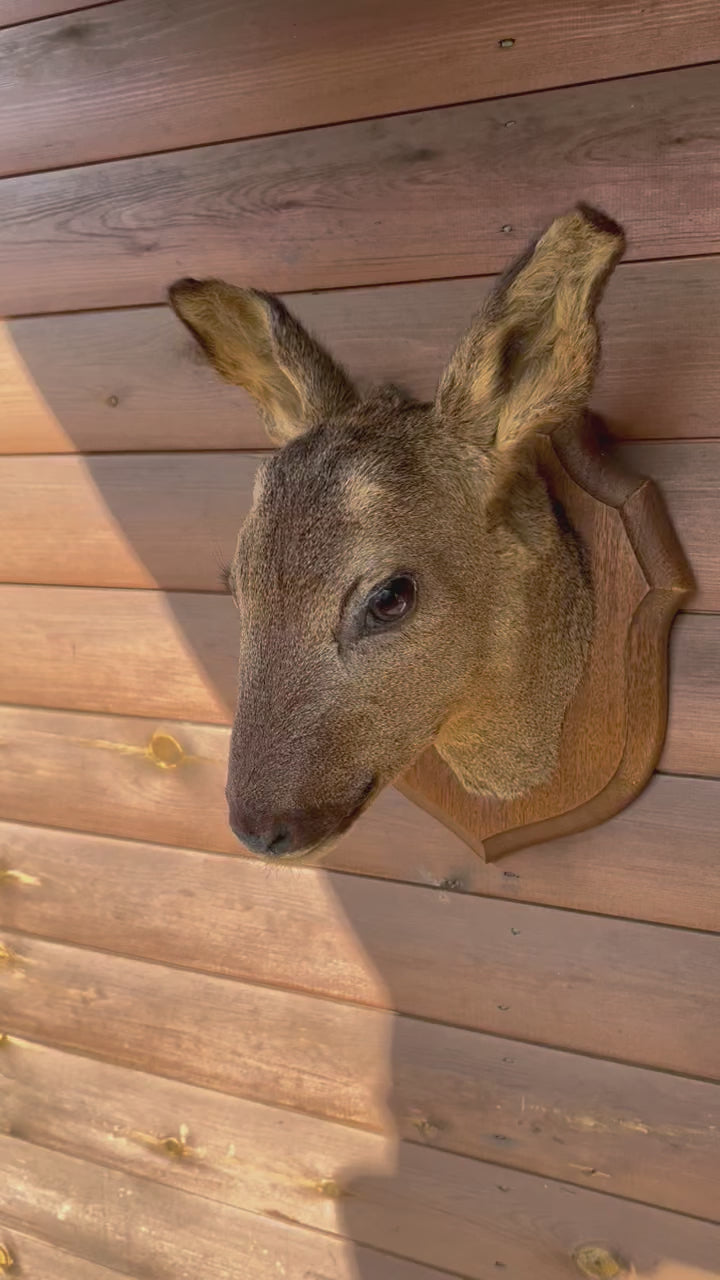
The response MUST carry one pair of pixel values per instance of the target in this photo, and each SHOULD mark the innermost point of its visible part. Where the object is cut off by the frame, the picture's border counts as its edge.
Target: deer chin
(316, 853)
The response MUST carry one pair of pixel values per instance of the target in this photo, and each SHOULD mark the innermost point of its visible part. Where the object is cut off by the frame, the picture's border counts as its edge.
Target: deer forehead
(341, 498)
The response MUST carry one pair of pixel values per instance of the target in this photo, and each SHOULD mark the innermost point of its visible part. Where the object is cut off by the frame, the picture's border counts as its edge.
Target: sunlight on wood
(27, 408)
(674, 1271)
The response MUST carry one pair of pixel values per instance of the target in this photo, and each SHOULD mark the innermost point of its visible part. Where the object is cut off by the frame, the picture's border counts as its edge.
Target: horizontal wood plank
(167, 520)
(420, 196)
(14, 12)
(528, 1227)
(557, 978)
(175, 656)
(165, 782)
(619, 868)
(77, 89)
(161, 897)
(450, 1088)
(123, 380)
(141, 1228)
(140, 515)
(531, 1108)
(36, 1260)
(313, 1171)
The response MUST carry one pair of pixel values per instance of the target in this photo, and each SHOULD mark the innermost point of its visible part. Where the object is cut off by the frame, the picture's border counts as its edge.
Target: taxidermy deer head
(404, 577)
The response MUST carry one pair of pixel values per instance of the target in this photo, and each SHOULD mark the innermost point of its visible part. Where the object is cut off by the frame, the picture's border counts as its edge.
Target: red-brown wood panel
(311, 1170)
(431, 194)
(175, 656)
(130, 520)
(134, 380)
(529, 1227)
(14, 12)
(36, 1260)
(140, 77)
(376, 934)
(161, 897)
(691, 490)
(145, 1230)
(165, 782)
(619, 868)
(146, 520)
(557, 978)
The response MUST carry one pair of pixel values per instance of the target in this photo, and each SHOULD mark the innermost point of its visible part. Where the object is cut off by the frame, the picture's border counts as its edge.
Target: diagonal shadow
(414, 1207)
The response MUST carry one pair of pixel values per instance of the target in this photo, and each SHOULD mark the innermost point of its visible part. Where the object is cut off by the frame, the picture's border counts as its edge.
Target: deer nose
(296, 831)
(264, 834)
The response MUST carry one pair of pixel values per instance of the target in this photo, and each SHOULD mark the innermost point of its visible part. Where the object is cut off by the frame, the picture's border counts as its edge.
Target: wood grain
(77, 89)
(14, 12)
(37, 1260)
(140, 1228)
(419, 196)
(146, 520)
(690, 487)
(174, 656)
(527, 1226)
(149, 519)
(618, 868)
(557, 978)
(110, 380)
(302, 1166)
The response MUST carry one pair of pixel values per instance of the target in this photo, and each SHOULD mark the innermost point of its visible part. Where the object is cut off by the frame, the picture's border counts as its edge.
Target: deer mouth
(316, 852)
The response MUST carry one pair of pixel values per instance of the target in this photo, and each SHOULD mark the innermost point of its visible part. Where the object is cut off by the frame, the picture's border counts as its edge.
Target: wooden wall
(411, 1066)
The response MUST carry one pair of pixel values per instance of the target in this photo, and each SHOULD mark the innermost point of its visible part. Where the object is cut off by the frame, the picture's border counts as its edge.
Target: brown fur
(368, 489)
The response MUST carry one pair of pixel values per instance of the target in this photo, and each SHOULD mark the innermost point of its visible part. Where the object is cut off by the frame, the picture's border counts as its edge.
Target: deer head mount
(407, 579)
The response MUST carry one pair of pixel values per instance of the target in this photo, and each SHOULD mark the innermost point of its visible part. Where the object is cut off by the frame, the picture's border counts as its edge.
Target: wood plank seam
(323, 998)
(251, 60)
(270, 1215)
(66, 7)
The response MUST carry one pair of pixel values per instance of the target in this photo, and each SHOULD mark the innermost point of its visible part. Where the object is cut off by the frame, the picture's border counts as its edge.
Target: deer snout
(293, 832)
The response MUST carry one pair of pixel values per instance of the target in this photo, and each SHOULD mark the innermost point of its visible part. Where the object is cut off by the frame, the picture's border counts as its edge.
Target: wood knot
(8, 959)
(173, 1145)
(329, 1188)
(8, 875)
(165, 751)
(598, 1263)
(426, 1128)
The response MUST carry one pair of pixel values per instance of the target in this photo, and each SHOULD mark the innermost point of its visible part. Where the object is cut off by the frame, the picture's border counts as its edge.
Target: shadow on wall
(479, 1220)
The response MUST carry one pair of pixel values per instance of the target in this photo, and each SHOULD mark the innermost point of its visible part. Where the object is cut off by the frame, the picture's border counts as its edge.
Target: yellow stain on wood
(164, 751)
(6, 1259)
(9, 959)
(9, 875)
(172, 1145)
(598, 1263)
(328, 1188)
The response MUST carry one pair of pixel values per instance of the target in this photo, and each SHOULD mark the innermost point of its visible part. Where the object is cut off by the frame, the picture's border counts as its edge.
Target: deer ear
(529, 359)
(252, 340)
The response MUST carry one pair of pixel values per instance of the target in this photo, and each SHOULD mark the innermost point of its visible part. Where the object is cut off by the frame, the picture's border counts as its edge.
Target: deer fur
(364, 489)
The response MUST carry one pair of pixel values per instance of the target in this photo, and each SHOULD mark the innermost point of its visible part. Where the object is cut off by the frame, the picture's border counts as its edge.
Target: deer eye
(392, 601)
